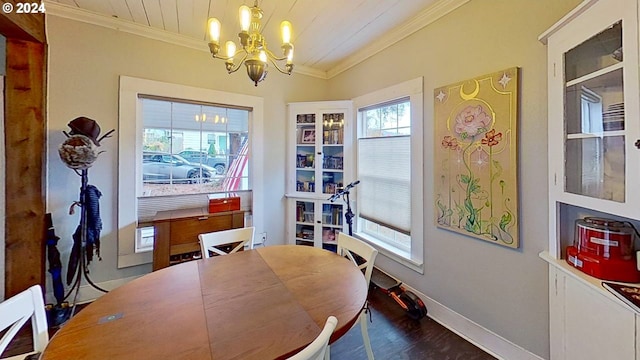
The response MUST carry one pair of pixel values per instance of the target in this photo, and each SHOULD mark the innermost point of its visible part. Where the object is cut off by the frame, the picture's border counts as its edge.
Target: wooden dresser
(176, 232)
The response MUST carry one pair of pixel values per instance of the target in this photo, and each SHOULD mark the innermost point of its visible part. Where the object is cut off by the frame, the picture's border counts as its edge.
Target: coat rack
(79, 152)
(81, 266)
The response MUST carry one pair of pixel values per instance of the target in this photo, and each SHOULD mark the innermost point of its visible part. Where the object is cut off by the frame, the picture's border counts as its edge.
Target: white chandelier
(254, 51)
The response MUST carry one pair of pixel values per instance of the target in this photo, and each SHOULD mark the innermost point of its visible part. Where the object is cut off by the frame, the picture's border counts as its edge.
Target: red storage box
(221, 204)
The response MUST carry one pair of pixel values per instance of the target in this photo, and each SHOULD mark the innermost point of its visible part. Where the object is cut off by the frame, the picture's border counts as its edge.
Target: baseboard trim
(88, 293)
(481, 337)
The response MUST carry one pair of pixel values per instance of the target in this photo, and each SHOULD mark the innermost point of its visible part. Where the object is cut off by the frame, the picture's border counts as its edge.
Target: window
(189, 148)
(192, 148)
(384, 169)
(172, 153)
(389, 210)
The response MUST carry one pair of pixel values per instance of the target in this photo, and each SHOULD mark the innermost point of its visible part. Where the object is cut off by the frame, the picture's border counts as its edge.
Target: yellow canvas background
(475, 151)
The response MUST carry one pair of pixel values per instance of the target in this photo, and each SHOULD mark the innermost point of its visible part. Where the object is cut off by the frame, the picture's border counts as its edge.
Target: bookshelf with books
(318, 160)
(318, 152)
(317, 223)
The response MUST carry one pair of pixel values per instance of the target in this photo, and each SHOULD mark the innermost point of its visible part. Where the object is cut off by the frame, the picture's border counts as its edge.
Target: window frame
(130, 153)
(412, 89)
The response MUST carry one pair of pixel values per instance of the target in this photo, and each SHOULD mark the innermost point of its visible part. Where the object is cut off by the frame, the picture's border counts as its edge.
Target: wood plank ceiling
(326, 33)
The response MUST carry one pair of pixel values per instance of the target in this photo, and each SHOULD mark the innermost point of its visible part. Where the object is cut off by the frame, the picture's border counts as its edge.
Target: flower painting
(475, 157)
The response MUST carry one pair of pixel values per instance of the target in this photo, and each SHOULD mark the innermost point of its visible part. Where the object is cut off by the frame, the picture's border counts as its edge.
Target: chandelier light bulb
(290, 56)
(245, 18)
(231, 49)
(263, 56)
(285, 29)
(214, 30)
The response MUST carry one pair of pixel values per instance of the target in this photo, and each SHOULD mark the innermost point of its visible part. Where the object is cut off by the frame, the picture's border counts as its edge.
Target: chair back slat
(14, 313)
(349, 245)
(213, 240)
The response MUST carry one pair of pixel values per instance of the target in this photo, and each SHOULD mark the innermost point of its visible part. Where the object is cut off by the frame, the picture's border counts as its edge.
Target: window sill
(400, 256)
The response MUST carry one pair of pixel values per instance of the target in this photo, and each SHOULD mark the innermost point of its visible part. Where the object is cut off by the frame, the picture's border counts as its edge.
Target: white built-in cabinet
(594, 169)
(318, 165)
(587, 322)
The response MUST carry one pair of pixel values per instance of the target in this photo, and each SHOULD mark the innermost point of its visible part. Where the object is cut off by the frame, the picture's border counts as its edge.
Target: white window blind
(384, 171)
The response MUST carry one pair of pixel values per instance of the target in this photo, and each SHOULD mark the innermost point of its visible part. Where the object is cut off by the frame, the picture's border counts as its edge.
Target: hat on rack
(87, 127)
(78, 152)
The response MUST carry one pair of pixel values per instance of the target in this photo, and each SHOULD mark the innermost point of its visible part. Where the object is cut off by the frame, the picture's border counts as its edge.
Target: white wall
(85, 62)
(501, 289)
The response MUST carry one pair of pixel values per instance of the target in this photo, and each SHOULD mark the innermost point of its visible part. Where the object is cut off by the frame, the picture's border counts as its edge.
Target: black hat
(87, 127)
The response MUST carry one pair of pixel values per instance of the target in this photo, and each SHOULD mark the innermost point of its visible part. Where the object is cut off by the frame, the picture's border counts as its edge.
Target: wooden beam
(29, 27)
(25, 152)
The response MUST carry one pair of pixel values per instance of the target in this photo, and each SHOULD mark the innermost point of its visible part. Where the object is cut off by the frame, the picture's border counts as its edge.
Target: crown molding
(85, 16)
(425, 17)
(73, 13)
(305, 70)
(439, 9)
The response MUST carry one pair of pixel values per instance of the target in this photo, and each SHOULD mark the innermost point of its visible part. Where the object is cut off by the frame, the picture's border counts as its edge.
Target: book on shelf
(629, 294)
(337, 215)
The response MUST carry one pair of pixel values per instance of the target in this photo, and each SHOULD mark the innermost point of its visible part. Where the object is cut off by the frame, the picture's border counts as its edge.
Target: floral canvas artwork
(475, 171)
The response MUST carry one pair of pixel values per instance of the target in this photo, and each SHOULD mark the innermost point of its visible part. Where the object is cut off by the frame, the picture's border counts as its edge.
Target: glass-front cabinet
(317, 223)
(317, 167)
(594, 171)
(593, 110)
(319, 148)
(595, 117)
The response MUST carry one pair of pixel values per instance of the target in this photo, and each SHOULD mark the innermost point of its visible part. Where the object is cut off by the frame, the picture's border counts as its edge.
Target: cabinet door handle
(637, 143)
(203, 218)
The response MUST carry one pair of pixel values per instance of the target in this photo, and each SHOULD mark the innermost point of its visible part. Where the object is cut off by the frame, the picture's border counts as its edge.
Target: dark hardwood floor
(396, 336)
(393, 336)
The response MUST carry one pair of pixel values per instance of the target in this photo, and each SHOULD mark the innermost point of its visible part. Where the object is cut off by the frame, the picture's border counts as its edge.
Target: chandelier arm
(272, 56)
(225, 58)
(236, 67)
(273, 61)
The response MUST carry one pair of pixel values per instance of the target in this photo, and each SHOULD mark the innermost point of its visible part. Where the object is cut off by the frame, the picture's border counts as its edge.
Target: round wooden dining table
(266, 303)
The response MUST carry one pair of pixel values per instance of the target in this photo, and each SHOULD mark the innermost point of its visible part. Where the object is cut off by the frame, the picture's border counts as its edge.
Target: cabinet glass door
(332, 152)
(305, 223)
(305, 153)
(595, 117)
(332, 220)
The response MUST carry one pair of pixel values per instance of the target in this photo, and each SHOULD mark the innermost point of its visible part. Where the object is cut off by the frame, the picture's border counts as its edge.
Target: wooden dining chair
(363, 256)
(14, 313)
(319, 347)
(215, 241)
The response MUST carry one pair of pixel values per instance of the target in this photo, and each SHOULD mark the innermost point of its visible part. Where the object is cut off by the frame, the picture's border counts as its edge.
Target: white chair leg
(365, 335)
(327, 354)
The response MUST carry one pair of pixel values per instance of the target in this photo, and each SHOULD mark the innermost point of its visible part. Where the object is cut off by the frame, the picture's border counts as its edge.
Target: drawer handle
(638, 143)
(203, 218)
